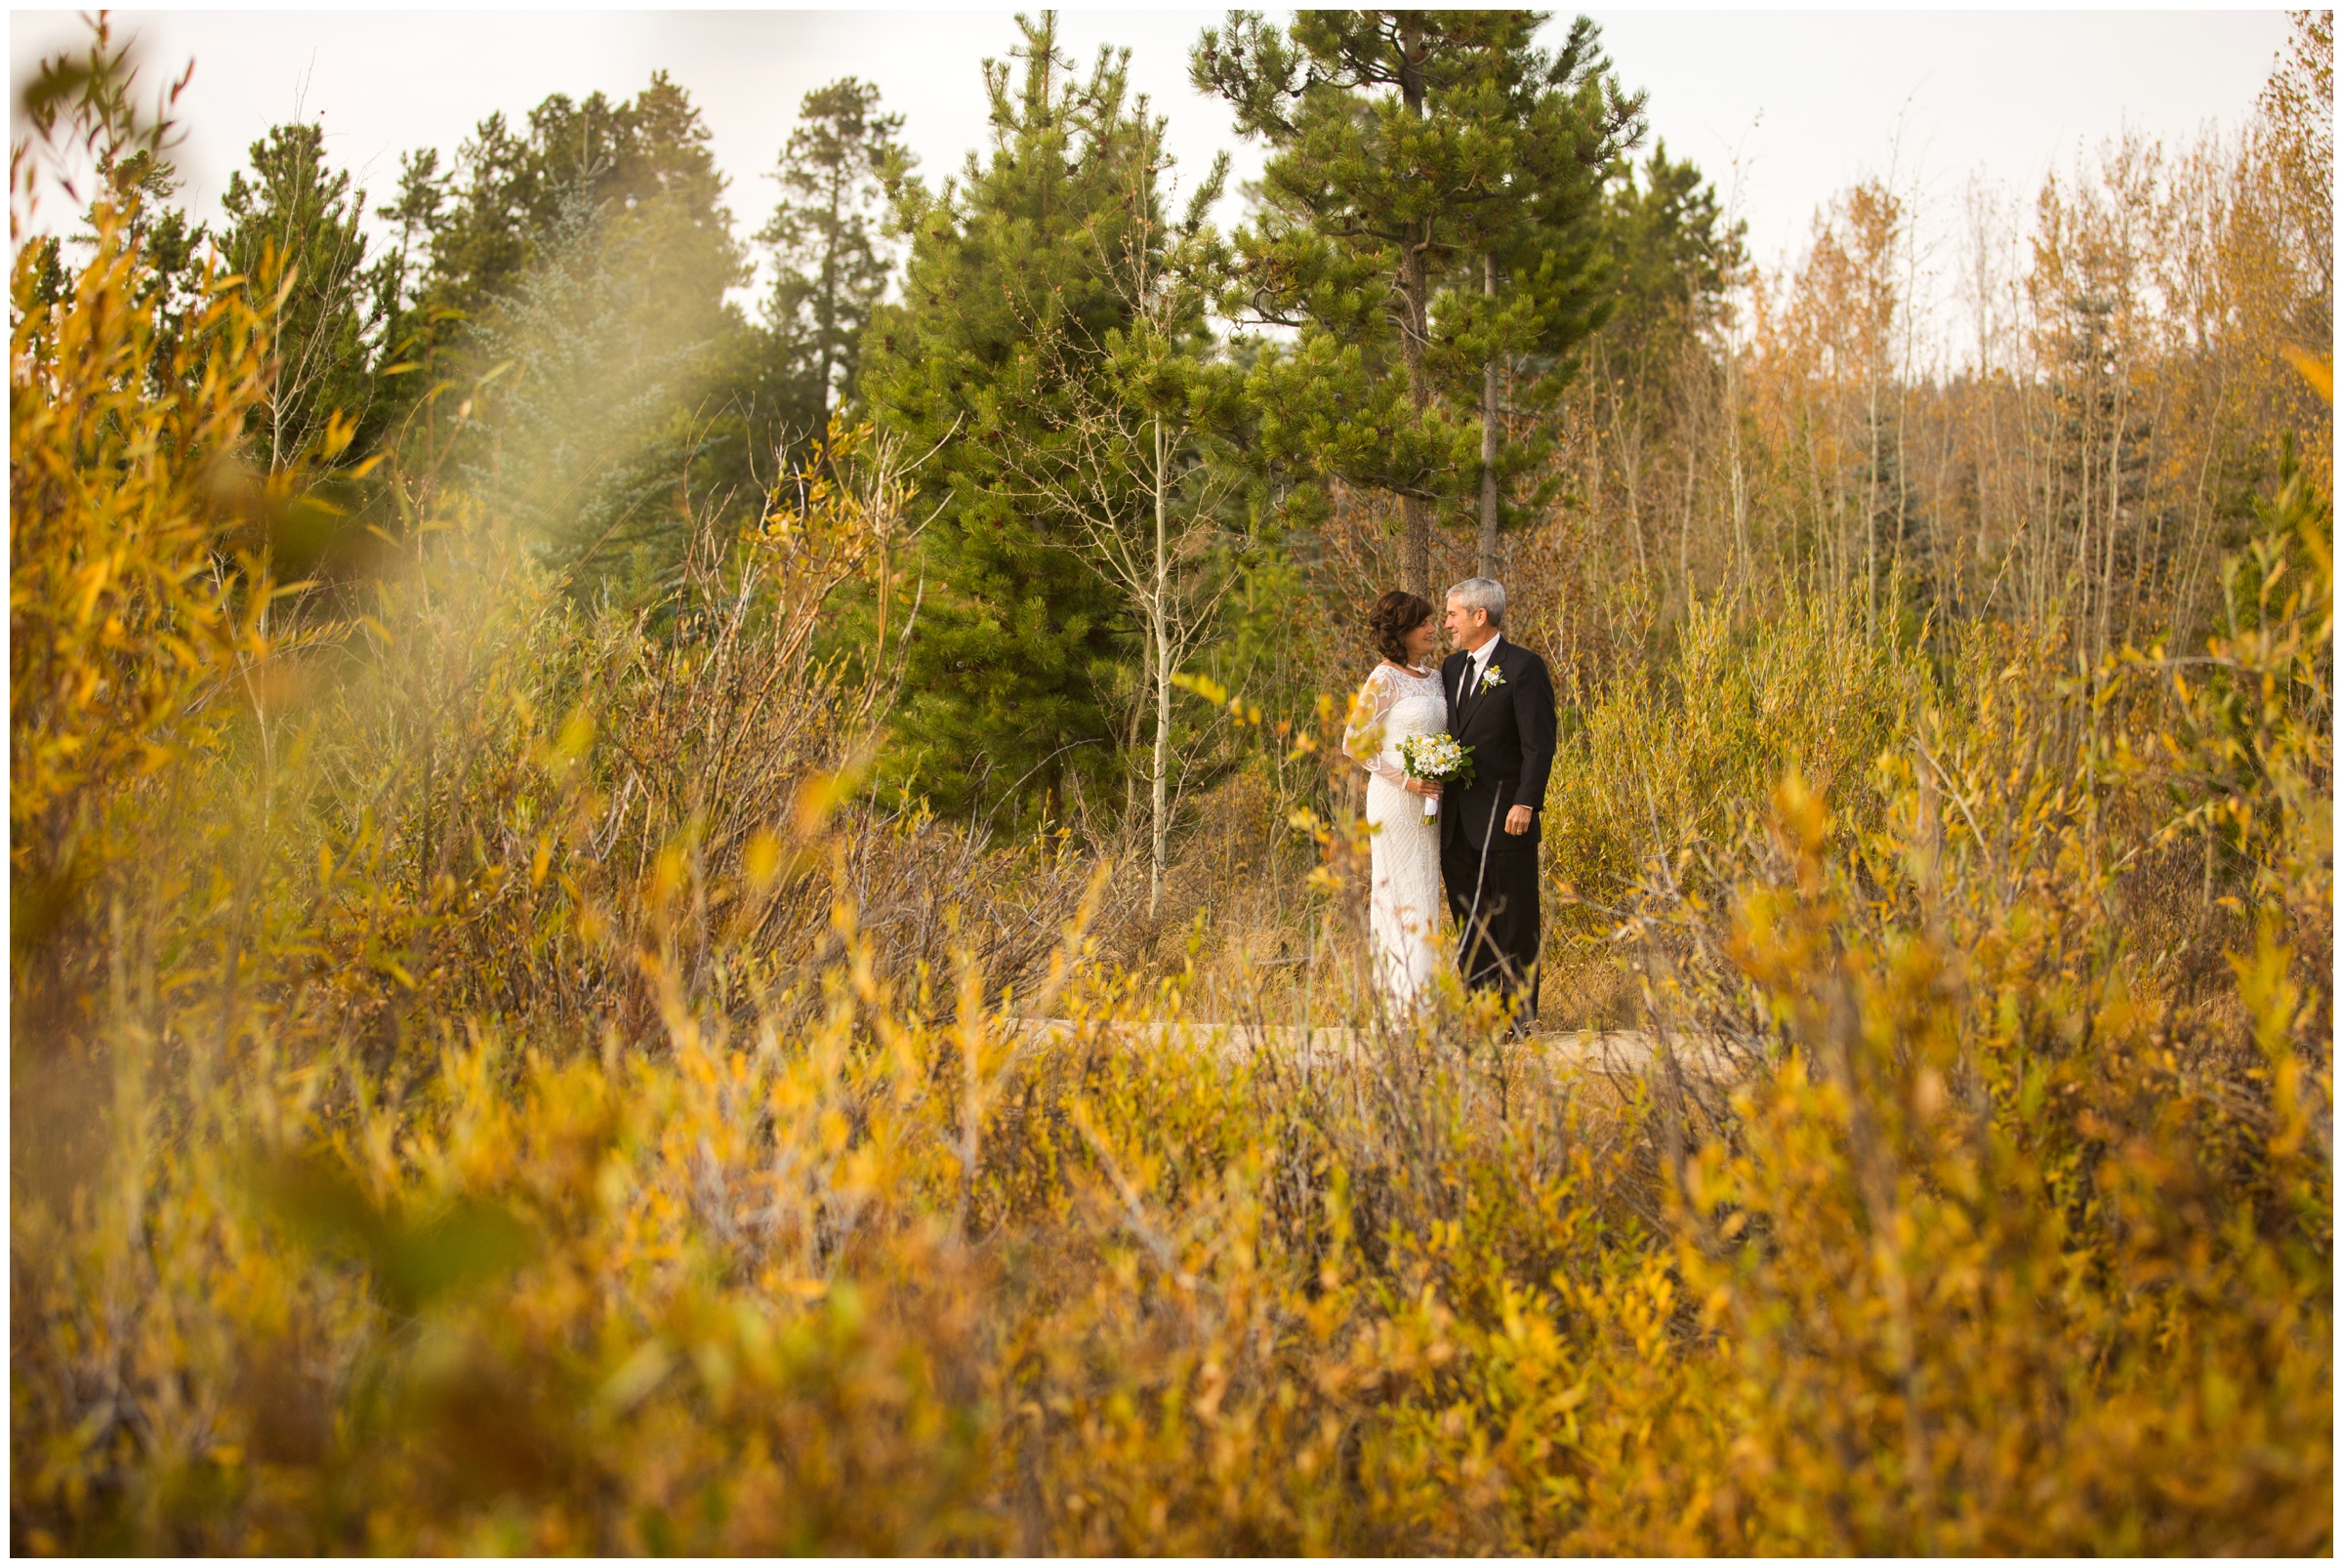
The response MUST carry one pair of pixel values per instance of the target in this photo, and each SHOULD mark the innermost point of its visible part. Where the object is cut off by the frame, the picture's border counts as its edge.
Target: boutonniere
(1491, 677)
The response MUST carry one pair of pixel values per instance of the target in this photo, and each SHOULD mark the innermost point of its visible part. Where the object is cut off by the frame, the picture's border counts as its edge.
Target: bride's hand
(1429, 788)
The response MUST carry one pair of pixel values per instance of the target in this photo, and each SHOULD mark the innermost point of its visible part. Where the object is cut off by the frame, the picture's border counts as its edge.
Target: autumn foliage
(487, 1076)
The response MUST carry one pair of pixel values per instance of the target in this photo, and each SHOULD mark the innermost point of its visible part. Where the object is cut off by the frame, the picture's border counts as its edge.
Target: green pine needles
(1430, 220)
(1010, 303)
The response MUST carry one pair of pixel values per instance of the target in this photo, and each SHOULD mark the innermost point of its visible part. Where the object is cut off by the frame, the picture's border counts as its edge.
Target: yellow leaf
(763, 860)
(1203, 685)
(577, 733)
(2316, 369)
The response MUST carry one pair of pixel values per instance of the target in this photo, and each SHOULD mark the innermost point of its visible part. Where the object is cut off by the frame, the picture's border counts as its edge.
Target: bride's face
(1422, 642)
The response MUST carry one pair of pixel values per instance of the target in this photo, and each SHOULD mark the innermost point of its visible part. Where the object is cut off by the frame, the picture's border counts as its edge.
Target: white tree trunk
(1157, 632)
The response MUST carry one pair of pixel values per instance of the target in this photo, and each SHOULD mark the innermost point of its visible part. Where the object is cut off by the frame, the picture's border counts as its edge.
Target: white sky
(1806, 102)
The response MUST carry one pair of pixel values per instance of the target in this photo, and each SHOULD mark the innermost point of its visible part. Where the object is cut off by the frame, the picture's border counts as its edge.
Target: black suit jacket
(1511, 728)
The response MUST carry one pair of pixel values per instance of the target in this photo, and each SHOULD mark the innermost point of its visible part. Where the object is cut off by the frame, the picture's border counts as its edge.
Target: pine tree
(1412, 152)
(1014, 669)
(1546, 267)
(1674, 253)
(642, 164)
(589, 255)
(589, 438)
(469, 232)
(830, 263)
(294, 220)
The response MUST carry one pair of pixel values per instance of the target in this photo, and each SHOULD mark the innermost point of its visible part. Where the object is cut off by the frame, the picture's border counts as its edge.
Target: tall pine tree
(590, 254)
(1415, 154)
(1509, 328)
(1015, 667)
(642, 164)
(294, 220)
(829, 264)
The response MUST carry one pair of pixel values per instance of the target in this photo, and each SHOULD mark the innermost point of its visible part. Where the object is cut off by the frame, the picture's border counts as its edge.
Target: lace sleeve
(1363, 735)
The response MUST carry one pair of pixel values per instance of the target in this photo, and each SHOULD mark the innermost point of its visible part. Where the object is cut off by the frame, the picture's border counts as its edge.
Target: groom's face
(1466, 628)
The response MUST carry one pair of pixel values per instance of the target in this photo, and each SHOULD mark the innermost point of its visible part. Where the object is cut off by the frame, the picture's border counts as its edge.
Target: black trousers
(1493, 898)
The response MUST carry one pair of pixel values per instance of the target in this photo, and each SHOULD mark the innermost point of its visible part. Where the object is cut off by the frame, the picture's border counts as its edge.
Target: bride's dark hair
(1394, 616)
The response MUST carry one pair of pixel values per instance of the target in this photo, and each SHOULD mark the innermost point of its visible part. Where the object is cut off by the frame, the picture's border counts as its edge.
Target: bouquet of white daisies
(1435, 757)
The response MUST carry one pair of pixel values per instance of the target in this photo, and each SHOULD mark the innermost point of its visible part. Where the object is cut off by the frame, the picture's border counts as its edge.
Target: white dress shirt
(1480, 657)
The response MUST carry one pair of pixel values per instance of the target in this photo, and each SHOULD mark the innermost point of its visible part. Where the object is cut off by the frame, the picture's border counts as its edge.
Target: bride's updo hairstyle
(1394, 616)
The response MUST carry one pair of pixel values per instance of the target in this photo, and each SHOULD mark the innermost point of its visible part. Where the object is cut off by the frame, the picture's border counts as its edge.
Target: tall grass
(484, 1077)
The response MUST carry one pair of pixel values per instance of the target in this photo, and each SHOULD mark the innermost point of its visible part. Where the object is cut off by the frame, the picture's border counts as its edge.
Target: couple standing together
(1496, 699)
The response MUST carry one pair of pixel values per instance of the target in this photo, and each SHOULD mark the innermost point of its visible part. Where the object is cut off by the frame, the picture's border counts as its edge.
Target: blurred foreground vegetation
(488, 1073)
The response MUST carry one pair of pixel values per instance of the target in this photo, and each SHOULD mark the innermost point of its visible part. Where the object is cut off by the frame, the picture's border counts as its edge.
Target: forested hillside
(680, 877)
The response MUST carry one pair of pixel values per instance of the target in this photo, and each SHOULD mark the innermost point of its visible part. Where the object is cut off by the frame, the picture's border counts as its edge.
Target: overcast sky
(1781, 108)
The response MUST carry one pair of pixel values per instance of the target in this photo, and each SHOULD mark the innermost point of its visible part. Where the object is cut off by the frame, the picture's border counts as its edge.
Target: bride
(1401, 697)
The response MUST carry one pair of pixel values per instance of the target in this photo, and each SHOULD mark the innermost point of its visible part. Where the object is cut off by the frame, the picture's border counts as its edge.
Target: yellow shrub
(130, 627)
(1656, 767)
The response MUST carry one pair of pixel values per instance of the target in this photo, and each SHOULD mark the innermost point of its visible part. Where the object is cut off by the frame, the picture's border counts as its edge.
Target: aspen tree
(1129, 467)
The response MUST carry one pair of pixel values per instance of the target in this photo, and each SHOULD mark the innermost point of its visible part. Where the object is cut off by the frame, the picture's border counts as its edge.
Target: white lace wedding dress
(1404, 908)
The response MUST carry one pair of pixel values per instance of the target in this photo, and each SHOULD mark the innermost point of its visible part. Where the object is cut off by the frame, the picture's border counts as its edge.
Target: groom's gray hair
(1482, 594)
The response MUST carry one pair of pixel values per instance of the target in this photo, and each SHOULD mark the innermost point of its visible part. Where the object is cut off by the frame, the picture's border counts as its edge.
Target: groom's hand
(1517, 821)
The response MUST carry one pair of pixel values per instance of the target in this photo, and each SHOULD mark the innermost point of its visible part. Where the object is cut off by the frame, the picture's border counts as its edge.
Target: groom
(1501, 703)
